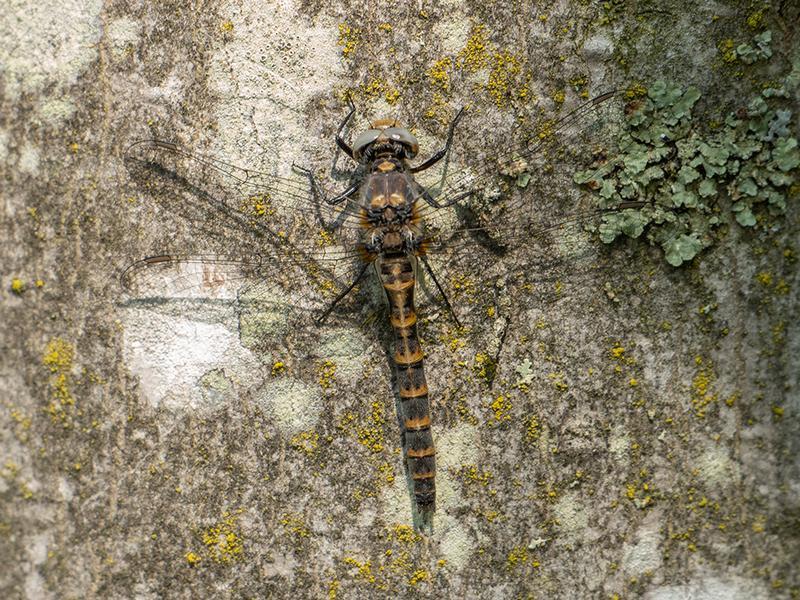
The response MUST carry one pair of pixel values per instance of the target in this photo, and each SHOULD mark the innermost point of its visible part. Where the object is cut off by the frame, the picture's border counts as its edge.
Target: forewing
(239, 197)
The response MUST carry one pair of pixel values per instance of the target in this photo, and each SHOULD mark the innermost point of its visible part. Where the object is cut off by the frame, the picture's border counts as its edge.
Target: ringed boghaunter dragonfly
(296, 255)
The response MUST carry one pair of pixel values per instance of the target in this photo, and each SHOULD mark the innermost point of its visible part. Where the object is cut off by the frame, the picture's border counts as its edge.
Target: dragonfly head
(385, 136)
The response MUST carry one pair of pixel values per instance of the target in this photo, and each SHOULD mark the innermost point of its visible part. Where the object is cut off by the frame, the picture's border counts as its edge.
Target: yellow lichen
(295, 524)
(391, 96)
(764, 278)
(755, 20)
(558, 381)
(258, 207)
(278, 367)
(518, 556)
(419, 575)
(501, 407)
(387, 472)
(349, 38)
(727, 49)
(371, 435)
(327, 374)
(192, 558)
(17, 286)
(305, 441)
(471, 474)
(226, 26)
(325, 238)
(485, 366)
(532, 431)
(636, 90)
(506, 79)
(438, 74)
(702, 394)
(364, 569)
(475, 54)
(58, 357)
(223, 541)
(403, 534)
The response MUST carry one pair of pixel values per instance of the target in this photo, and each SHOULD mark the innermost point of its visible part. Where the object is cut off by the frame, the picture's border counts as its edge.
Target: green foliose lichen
(681, 172)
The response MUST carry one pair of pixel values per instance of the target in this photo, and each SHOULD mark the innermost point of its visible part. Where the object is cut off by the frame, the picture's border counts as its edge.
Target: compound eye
(364, 140)
(399, 134)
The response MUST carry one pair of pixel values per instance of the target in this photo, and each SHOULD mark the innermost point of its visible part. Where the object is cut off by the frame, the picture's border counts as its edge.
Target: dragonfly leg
(329, 310)
(340, 141)
(439, 287)
(319, 196)
(426, 195)
(345, 194)
(442, 152)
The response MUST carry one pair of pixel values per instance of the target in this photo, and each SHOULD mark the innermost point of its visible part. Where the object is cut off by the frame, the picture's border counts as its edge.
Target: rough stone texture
(152, 452)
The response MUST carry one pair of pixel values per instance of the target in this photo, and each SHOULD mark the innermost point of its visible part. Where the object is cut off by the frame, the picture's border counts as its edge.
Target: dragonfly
(284, 238)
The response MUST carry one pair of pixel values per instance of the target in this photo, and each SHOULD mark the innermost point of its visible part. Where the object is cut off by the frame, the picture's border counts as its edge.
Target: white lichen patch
(293, 405)
(216, 389)
(45, 43)
(346, 348)
(644, 552)
(447, 496)
(457, 446)
(396, 501)
(56, 111)
(171, 354)
(619, 444)
(29, 160)
(3, 145)
(278, 61)
(452, 34)
(571, 514)
(716, 469)
(455, 542)
(123, 35)
(37, 546)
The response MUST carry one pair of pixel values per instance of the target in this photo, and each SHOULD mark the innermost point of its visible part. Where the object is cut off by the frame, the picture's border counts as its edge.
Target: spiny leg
(426, 195)
(442, 152)
(342, 295)
(439, 287)
(340, 141)
(319, 195)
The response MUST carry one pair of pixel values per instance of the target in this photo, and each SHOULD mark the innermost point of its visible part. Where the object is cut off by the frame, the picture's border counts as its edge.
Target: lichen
(295, 525)
(58, 358)
(501, 407)
(223, 541)
(702, 393)
(680, 173)
(327, 374)
(306, 442)
(349, 39)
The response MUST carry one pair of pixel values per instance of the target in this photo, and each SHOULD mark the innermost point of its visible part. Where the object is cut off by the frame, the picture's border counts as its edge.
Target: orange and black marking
(397, 276)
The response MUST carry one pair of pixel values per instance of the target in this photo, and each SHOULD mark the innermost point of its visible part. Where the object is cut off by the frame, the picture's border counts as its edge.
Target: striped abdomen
(397, 276)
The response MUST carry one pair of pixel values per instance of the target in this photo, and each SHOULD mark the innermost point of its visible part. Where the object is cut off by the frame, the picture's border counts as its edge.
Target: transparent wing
(517, 218)
(517, 207)
(215, 256)
(244, 197)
